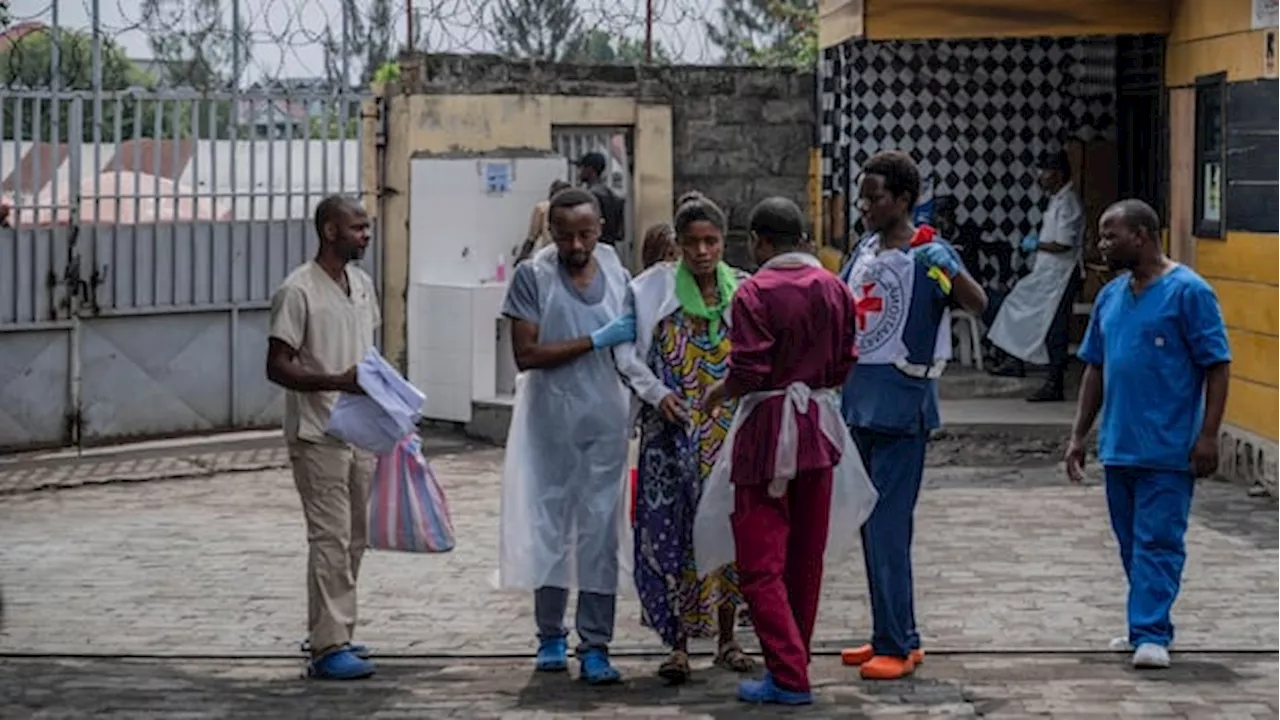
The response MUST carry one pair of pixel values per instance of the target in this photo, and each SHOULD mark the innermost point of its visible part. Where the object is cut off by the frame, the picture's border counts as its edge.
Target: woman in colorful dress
(681, 349)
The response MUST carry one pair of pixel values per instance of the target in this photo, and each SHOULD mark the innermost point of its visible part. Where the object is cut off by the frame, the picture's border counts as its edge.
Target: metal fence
(145, 233)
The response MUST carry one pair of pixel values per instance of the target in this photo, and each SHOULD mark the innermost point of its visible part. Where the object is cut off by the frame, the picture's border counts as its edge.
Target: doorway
(1140, 115)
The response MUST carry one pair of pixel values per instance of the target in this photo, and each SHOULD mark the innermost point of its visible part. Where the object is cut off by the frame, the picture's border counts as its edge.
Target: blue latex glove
(621, 330)
(938, 256)
(1030, 243)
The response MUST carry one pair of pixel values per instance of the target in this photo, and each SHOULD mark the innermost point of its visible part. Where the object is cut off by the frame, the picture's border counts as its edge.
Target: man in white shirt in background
(1033, 323)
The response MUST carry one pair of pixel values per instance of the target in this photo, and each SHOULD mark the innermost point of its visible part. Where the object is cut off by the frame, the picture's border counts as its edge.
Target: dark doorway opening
(1140, 118)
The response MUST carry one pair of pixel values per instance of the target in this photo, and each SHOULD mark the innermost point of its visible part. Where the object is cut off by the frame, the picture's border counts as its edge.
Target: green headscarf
(691, 301)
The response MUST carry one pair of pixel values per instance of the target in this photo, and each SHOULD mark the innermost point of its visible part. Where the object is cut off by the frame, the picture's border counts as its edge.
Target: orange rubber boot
(857, 655)
(861, 654)
(884, 667)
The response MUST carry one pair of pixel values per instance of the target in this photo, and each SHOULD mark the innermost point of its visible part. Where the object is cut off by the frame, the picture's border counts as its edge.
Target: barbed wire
(332, 42)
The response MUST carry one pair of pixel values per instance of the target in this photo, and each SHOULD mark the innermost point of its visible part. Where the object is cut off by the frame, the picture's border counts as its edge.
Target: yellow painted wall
(919, 19)
(1207, 37)
(449, 123)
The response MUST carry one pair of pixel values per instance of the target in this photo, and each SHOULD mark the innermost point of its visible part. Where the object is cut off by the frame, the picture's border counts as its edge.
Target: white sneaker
(1122, 644)
(1150, 656)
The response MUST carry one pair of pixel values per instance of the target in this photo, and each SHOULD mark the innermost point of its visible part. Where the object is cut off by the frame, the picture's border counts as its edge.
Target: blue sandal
(597, 670)
(553, 655)
(765, 692)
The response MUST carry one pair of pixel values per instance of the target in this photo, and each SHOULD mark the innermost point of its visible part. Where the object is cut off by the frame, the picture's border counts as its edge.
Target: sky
(287, 35)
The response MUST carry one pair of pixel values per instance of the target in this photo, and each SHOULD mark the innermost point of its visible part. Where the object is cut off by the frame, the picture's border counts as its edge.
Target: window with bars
(1210, 155)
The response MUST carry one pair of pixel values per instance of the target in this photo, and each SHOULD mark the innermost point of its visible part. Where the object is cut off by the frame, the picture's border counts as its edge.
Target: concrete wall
(1210, 38)
(737, 134)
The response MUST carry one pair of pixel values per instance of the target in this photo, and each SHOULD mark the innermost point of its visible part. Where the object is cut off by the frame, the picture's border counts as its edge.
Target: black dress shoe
(1049, 392)
(1008, 368)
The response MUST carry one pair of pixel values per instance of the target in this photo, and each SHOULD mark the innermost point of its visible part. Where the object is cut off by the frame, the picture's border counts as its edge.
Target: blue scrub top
(1154, 349)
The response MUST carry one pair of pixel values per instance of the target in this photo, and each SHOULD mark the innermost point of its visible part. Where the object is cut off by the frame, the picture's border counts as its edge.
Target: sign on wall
(1266, 13)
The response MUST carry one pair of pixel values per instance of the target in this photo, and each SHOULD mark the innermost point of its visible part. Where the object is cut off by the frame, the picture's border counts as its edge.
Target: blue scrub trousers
(1149, 511)
(896, 465)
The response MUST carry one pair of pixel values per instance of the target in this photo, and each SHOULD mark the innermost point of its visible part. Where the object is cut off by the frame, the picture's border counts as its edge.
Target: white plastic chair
(970, 337)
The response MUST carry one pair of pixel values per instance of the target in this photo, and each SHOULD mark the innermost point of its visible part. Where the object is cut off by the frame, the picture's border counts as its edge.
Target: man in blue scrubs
(1157, 367)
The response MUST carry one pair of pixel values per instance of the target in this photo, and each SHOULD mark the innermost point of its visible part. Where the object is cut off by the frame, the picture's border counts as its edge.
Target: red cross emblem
(867, 304)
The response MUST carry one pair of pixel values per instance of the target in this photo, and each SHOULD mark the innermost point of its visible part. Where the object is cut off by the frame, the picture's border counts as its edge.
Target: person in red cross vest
(904, 280)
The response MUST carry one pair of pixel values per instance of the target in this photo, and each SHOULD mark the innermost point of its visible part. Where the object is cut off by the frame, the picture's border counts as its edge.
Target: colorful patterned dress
(674, 462)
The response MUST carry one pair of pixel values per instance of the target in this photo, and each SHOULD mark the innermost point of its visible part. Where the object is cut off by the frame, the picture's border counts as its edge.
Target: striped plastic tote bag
(407, 508)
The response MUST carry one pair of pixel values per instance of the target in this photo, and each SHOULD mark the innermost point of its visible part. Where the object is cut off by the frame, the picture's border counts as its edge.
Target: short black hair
(901, 176)
(572, 198)
(779, 221)
(1058, 161)
(1136, 214)
(594, 160)
(330, 209)
(696, 209)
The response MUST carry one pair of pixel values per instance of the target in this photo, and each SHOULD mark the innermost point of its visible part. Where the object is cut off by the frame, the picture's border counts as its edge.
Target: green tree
(388, 72)
(27, 65)
(192, 40)
(536, 29)
(330, 126)
(367, 44)
(767, 32)
(198, 51)
(597, 47)
(379, 39)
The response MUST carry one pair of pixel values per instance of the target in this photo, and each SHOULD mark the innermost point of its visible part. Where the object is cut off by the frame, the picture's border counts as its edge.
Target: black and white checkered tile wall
(975, 114)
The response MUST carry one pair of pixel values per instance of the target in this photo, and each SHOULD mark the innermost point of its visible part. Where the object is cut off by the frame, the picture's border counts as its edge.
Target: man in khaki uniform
(322, 322)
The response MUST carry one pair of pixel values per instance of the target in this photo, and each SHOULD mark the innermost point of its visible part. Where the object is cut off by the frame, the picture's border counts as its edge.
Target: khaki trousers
(333, 483)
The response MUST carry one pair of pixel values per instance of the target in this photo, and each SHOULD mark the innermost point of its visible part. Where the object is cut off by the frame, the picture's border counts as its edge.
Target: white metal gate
(616, 145)
(146, 234)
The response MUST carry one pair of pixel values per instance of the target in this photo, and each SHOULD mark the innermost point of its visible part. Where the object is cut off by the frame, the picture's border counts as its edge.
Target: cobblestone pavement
(196, 461)
(971, 686)
(1005, 559)
(18, 476)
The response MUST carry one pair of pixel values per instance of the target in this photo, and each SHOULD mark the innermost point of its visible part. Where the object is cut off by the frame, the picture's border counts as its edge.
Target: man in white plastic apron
(562, 485)
(1033, 322)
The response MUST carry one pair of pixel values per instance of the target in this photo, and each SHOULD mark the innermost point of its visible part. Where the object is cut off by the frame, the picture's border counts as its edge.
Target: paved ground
(970, 686)
(1010, 560)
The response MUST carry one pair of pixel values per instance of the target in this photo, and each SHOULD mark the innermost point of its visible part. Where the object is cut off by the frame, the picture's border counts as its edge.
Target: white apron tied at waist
(853, 497)
(797, 400)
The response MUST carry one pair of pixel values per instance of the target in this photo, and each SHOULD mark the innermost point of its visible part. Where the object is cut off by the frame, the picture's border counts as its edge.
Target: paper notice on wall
(1266, 14)
(497, 178)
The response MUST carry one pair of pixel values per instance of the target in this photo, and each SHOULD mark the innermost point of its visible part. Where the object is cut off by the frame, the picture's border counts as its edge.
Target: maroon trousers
(780, 543)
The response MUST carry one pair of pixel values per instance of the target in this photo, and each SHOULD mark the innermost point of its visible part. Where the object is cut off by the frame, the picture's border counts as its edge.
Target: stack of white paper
(380, 418)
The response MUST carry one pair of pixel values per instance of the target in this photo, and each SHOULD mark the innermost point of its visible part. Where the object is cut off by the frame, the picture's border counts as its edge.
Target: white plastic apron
(563, 501)
(853, 497)
(1022, 325)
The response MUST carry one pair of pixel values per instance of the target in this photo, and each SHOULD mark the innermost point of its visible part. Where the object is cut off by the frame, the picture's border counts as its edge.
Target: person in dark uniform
(591, 175)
